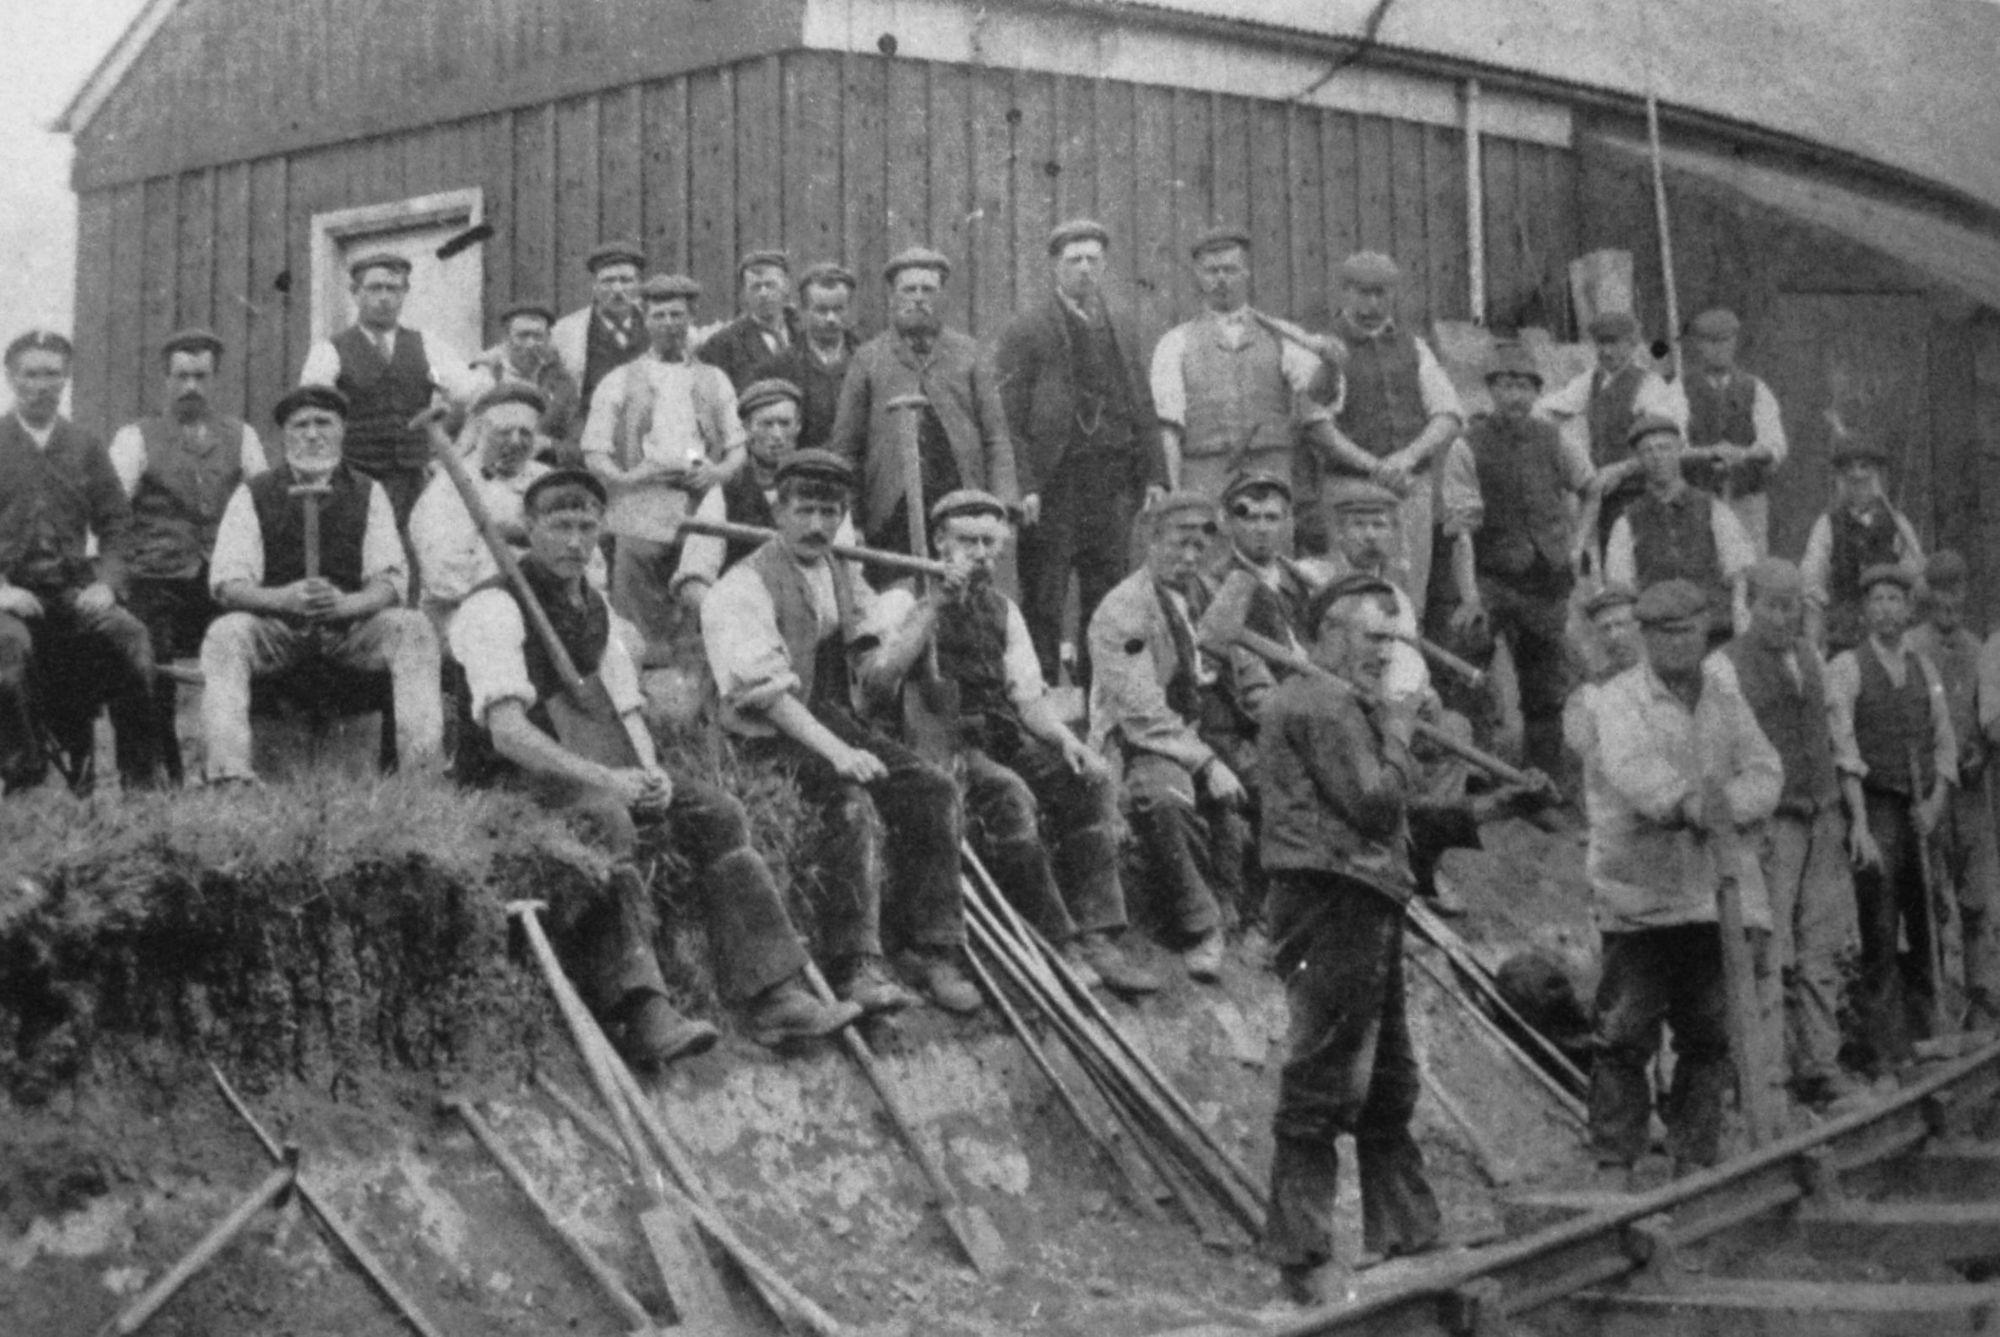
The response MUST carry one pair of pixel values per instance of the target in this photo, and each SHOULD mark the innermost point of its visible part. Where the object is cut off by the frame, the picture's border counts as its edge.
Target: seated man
(308, 568)
(786, 631)
(1025, 772)
(525, 356)
(1257, 517)
(1145, 700)
(755, 952)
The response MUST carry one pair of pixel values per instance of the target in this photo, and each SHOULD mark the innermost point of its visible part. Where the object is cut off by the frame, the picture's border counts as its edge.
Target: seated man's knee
(1002, 806)
(1156, 782)
(16, 646)
(605, 821)
(232, 636)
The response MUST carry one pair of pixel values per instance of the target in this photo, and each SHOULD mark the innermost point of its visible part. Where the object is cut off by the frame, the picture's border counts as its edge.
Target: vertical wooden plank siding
(950, 185)
(1505, 284)
(712, 243)
(1036, 166)
(1117, 183)
(990, 221)
(1075, 182)
(1194, 205)
(620, 167)
(229, 293)
(576, 207)
(1267, 208)
(196, 229)
(496, 161)
(1445, 208)
(1409, 242)
(90, 326)
(864, 184)
(665, 116)
(760, 182)
(534, 201)
(267, 337)
(156, 290)
(906, 160)
(813, 212)
(126, 335)
(1374, 185)
(1340, 186)
(1152, 252)
(1305, 202)
(1229, 157)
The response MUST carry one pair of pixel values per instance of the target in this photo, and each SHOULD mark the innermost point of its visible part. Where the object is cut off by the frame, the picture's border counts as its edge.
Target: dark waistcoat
(603, 354)
(1859, 543)
(825, 678)
(1792, 716)
(1728, 415)
(281, 519)
(1614, 404)
(382, 397)
(1519, 461)
(1893, 724)
(744, 503)
(1384, 407)
(1677, 542)
(191, 472)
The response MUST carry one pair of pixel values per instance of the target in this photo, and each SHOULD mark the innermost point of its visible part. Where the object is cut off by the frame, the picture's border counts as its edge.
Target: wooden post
(1475, 205)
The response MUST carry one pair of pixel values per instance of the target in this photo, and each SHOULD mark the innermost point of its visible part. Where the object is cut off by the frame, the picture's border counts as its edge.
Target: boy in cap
(1683, 771)
(1334, 843)
(1896, 751)
(1146, 701)
(595, 340)
(1672, 531)
(750, 347)
(1861, 529)
(1971, 862)
(1736, 435)
(817, 364)
(1086, 444)
(1257, 520)
(66, 647)
(633, 810)
(310, 572)
(795, 643)
(961, 426)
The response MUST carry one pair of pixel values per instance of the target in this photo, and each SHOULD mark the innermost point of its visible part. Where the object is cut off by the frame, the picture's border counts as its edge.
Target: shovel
(930, 702)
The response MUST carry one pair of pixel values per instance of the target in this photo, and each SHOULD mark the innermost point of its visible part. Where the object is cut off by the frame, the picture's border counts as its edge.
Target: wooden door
(445, 293)
(1865, 358)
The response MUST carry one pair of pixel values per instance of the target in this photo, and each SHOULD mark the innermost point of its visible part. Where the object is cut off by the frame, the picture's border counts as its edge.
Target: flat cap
(1077, 229)
(1670, 602)
(1769, 575)
(528, 306)
(378, 260)
(1198, 509)
(1614, 594)
(38, 341)
(1946, 570)
(762, 394)
(1218, 239)
(1613, 325)
(1360, 495)
(570, 488)
(1369, 269)
(1718, 322)
(820, 466)
(511, 392)
(309, 397)
(1353, 585)
(1251, 482)
(767, 257)
(618, 252)
(967, 501)
(668, 288)
(192, 340)
(916, 257)
(1848, 448)
(1513, 358)
(1650, 424)
(827, 274)
(1890, 573)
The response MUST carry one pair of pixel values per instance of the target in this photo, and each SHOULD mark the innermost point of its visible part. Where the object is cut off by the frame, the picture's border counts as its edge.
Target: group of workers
(1259, 711)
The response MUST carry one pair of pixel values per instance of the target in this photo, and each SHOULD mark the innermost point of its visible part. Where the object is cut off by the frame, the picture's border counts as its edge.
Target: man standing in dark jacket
(1086, 447)
(750, 347)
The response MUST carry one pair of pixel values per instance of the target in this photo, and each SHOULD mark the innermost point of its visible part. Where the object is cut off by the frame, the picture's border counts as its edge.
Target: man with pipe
(1146, 694)
(1338, 781)
(794, 640)
(632, 810)
(1041, 807)
(1683, 771)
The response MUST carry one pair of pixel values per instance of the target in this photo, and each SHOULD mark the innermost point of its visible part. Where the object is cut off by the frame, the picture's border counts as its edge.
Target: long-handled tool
(847, 552)
(1740, 983)
(273, 1190)
(930, 700)
(344, 1234)
(1936, 908)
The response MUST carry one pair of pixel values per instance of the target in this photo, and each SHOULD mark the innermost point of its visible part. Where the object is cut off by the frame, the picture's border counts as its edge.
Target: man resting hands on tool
(754, 951)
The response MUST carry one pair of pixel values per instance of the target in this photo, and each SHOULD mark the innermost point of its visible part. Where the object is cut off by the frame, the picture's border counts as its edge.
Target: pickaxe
(312, 493)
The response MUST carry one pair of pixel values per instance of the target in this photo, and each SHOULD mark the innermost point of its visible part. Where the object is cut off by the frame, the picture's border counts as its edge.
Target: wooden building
(230, 152)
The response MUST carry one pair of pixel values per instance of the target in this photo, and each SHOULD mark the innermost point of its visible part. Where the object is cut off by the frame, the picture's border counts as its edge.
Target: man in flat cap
(525, 356)
(1338, 784)
(796, 645)
(1399, 410)
(770, 413)
(309, 571)
(635, 811)
(1041, 807)
(1529, 490)
(663, 430)
(1086, 446)
(1611, 647)
(595, 340)
(1596, 413)
(179, 467)
(1229, 393)
(1736, 434)
(1683, 773)
(1672, 531)
(1145, 712)
(817, 363)
(1966, 837)
(750, 347)
(961, 427)
(1859, 530)
(66, 647)
(388, 374)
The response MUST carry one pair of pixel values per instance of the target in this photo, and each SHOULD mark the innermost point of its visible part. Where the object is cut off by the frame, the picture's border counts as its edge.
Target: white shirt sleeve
(620, 675)
(489, 640)
(251, 453)
(322, 364)
(1169, 387)
(1658, 396)
(702, 554)
(1816, 566)
(453, 372)
(440, 528)
(1568, 402)
(1024, 670)
(606, 403)
(128, 457)
(1770, 424)
(239, 545)
(1732, 543)
(1439, 394)
(381, 548)
(1621, 564)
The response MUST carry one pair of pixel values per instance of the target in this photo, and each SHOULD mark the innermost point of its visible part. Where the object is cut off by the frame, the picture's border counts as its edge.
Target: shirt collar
(40, 436)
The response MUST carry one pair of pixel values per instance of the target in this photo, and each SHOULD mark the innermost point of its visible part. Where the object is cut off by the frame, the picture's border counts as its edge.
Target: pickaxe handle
(310, 496)
(893, 561)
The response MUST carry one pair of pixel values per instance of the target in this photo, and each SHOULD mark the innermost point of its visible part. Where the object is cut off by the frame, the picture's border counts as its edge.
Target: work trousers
(1671, 976)
(642, 574)
(912, 815)
(1349, 1068)
(1041, 828)
(1534, 624)
(610, 940)
(1971, 864)
(1895, 987)
(240, 646)
(176, 613)
(1193, 845)
(1085, 527)
(1806, 870)
(56, 671)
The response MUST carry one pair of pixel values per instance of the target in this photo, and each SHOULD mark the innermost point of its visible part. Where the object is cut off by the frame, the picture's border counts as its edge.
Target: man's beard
(189, 407)
(918, 327)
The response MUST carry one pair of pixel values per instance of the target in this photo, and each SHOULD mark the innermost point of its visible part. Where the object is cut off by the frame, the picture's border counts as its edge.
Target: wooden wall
(830, 156)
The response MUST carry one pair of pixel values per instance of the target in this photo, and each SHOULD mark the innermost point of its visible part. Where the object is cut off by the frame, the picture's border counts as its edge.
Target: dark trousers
(610, 940)
(911, 816)
(1670, 976)
(176, 614)
(56, 671)
(1533, 620)
(1893, 994)
(1041, 827)
(1350, 1068)
(1193, 846)
(404, 484)
(1085, 527)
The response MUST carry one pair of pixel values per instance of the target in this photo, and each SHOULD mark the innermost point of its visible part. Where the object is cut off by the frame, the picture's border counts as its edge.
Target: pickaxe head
(515, 909)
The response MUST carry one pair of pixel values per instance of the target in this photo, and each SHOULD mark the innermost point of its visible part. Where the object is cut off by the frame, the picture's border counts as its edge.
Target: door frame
(330, 233)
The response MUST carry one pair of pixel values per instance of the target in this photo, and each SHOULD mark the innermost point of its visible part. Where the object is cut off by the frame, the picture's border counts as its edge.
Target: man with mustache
(180, 467)
(595, 340)
(749, 347)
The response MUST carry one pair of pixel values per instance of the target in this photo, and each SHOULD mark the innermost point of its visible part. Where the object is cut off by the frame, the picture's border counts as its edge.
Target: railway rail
(1886, 1220)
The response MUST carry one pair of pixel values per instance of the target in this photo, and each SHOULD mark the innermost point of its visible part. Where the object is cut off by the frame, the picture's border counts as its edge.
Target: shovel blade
(588, 724)
(979, 1239)
(692, 1281)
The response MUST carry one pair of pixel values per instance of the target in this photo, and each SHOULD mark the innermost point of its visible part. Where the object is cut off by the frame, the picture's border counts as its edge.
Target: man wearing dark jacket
(1086, 447)
(750, 347)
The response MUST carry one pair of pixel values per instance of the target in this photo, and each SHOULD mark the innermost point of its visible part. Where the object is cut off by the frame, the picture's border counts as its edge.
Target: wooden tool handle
(848, 552)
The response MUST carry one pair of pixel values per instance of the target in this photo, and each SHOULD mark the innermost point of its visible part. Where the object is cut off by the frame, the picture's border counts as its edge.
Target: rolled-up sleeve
(1770, 424)
(1462, 508)
(1024, 670)
(381, 547)
(238, 557)
(489, 640)
(1304, 374)
(1440, 396)
(1169, 385)
(1843, 686)
(746, 653)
